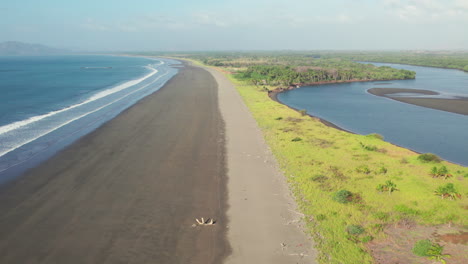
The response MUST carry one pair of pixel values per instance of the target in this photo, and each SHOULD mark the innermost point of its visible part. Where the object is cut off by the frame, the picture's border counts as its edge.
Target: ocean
(351, 107)
(48, 102)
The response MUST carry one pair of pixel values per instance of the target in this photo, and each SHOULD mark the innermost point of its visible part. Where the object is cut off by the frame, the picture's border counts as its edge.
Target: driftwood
(208, 221)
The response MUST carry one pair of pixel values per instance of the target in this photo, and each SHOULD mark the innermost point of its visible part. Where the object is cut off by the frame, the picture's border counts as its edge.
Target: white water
(24, 141)
(7, 128)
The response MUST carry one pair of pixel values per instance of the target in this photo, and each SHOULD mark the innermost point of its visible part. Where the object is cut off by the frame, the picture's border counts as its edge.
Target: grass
(327, 160)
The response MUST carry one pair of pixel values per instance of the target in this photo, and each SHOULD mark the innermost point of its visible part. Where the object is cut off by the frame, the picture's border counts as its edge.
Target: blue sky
(237, 24)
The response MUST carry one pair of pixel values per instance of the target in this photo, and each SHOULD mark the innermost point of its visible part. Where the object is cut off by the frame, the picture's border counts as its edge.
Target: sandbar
(457, 105)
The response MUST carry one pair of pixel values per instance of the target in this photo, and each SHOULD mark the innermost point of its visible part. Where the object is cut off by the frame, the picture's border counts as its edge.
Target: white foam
(78, 117)
(18, 124)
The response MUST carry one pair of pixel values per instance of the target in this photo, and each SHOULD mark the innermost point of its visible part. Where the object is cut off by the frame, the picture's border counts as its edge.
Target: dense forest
(283, 68)
(278, 75)
(296, 68)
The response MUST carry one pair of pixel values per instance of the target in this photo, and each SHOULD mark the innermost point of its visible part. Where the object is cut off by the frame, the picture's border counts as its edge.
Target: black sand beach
(130, 191)
(458, 106)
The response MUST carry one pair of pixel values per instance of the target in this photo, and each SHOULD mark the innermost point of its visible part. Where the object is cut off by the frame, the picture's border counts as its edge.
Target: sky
(191, 25)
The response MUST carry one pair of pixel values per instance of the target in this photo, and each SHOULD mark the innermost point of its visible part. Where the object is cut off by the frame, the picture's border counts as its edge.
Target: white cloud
(428, 10)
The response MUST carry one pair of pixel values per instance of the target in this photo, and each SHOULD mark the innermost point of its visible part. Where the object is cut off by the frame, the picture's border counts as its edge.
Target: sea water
(47, 102)
(351, 107)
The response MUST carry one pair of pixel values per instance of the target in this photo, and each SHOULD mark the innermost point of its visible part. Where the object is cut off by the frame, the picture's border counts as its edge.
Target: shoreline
(130, 190)
(274, 93)
(274, 96)
(456, 106)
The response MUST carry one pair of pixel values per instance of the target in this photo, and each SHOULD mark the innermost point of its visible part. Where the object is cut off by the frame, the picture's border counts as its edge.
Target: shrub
(303, 112)
(355, 229)
(389, 187)
(421, 248)
(279, 118)
(343, 196)
(367, 239)
(377, 136)
(363, 169)
(296, 139)
(429, 157)
(382, 170)
(426, 248)
(441, 172)
(447, 191)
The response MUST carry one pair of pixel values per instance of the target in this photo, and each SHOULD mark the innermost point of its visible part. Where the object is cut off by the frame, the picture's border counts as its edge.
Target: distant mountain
(20, 48)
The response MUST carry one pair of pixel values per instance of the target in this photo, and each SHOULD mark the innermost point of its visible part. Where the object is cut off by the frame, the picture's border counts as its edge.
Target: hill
(19, 48)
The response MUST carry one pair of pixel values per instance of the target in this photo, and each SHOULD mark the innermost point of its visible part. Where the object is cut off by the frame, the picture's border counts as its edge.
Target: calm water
(351, 107)
(48, 102)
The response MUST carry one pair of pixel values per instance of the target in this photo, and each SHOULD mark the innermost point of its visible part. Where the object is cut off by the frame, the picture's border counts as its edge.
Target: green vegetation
(422, 247)
(334, 177)
(429, 157)
(426, 248)
(343, 196)
(447, 191)
(319, 71)
(389, 187)
(355, 229)
(441, 172)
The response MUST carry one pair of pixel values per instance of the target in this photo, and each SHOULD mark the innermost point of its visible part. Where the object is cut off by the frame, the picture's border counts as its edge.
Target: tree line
(280, 75)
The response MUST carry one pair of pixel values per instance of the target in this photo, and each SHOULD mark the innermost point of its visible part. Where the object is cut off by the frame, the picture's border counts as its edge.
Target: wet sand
(130, 191)
(458, 106)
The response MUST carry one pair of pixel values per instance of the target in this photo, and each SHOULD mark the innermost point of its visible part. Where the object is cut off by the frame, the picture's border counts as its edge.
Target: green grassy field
(319, 161)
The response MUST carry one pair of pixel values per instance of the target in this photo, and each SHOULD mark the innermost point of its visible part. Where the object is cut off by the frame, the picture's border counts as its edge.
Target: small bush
(367, 239)
(429, 157)
(389, 187)
(447, 191)
(279, 118)
(403, 161)
(363, 169)
(441, 172)
(422, 247)
(296, 139)
(355, 229)
(426, 248)
(377, 136)
(343, 196)
(303, 112)
(382, 170)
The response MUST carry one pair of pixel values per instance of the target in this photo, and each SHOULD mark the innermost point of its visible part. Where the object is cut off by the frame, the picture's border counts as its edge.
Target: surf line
(7, 128)
(76, 118)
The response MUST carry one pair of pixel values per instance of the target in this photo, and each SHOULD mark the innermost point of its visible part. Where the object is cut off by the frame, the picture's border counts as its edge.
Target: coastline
(457, 106)
(129, 191)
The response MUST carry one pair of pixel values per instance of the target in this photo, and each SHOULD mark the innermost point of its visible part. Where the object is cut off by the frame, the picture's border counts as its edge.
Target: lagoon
(421, 129)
